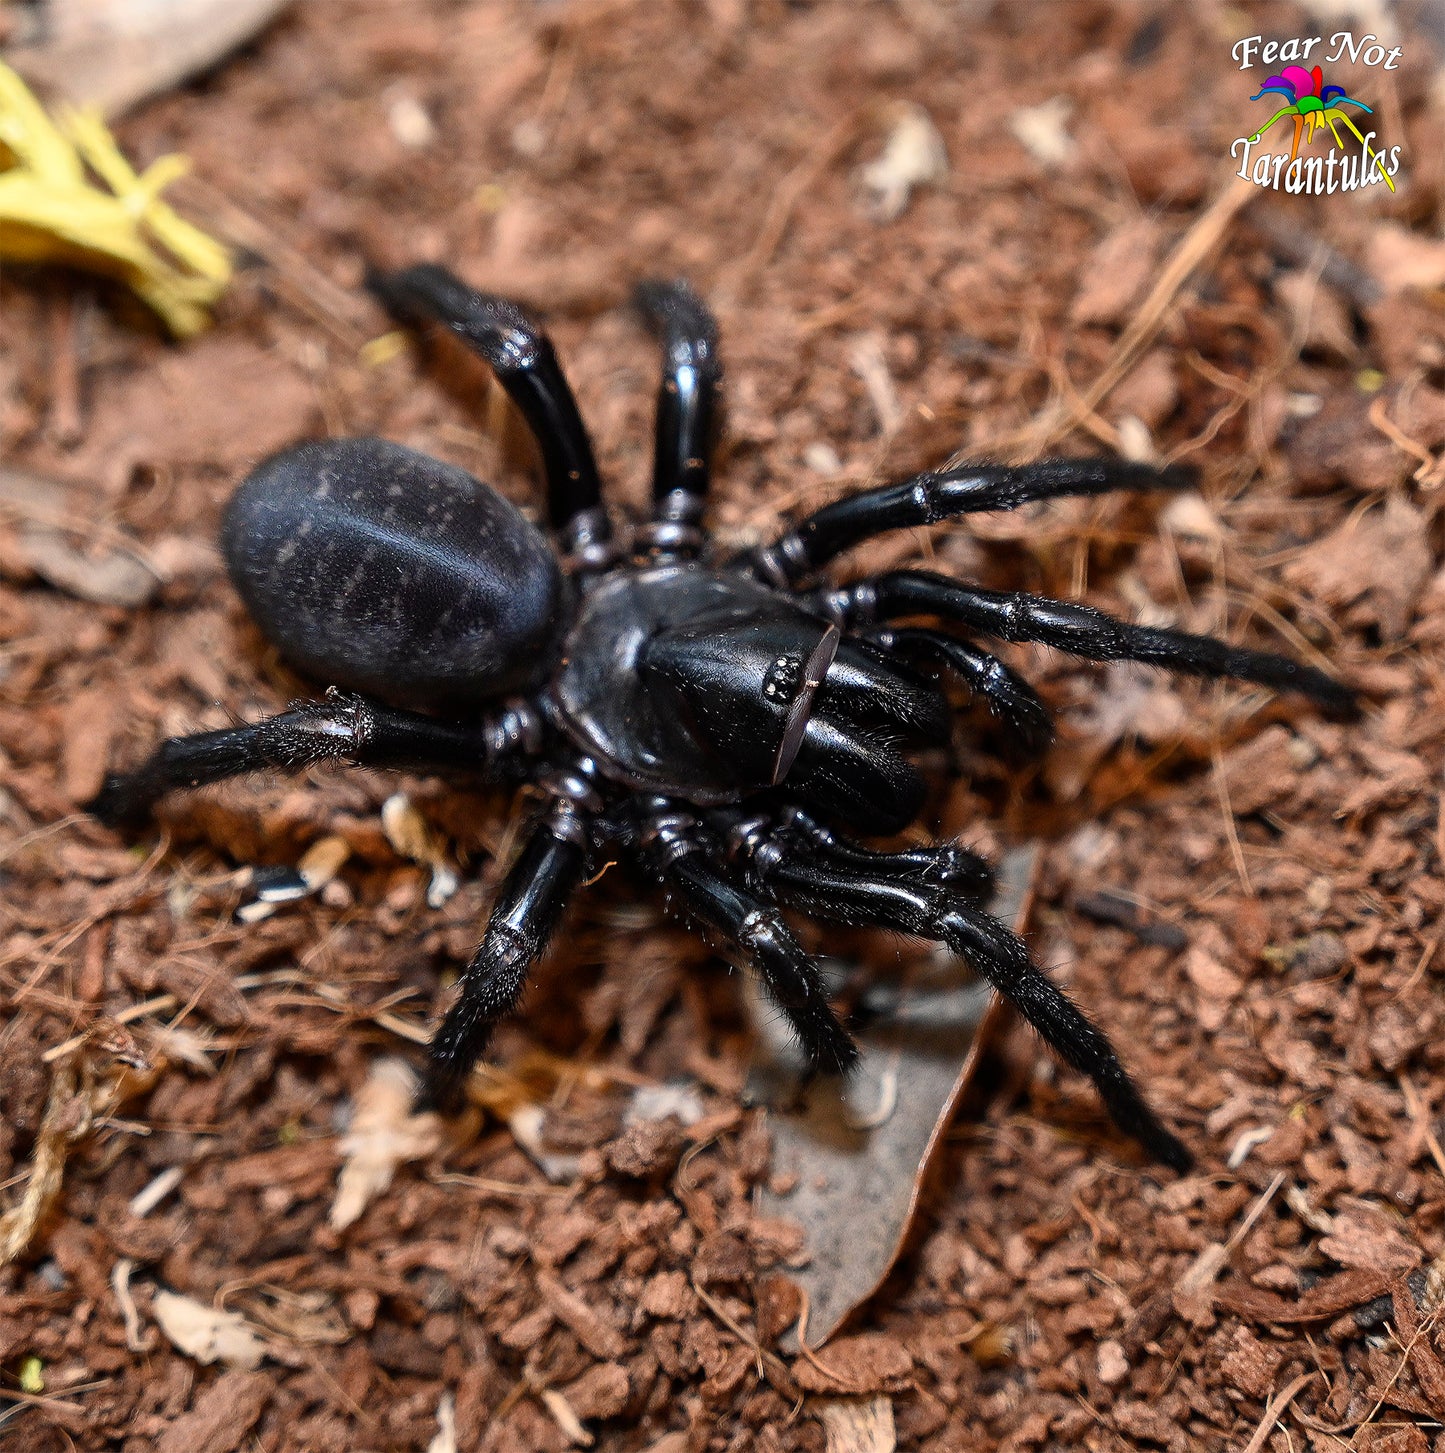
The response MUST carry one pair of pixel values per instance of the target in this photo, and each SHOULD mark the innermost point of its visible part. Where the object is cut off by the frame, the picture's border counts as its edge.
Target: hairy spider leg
(843, 894)
(940, 864)
(937, 495)
(1010, 698)
(522, 357)
(1083, 631)
(688, 412)
(688, 861)
(524, 917)
(342, 726)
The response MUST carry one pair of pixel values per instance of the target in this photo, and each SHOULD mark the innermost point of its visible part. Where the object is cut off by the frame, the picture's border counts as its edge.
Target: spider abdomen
(378, 569)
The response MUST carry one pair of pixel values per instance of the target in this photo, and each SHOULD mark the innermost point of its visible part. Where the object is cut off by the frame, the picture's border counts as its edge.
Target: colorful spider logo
(1313, 105)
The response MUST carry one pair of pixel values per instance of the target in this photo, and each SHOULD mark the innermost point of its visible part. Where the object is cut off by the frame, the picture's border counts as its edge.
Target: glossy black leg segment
(788, 973)
(793, 831)
(1084, 631)
(524, 918)
(928, 499)
(521, 356)
(687, 411)
(1010, 698)
(341, 727)
(847, 896)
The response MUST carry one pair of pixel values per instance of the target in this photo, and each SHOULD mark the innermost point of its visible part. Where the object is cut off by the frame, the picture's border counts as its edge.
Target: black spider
(708, 714)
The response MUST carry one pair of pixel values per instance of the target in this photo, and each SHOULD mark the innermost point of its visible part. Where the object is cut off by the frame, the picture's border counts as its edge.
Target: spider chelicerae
(725, 718)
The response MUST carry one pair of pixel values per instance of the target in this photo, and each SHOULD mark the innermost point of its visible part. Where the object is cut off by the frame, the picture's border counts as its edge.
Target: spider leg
(688, 861)
(1009, 696)
(521, 356)
(528, 908)
(793, 830)
(845, 894)
(931, 497)
(687, 413)
(1083, 631)
(351, 727)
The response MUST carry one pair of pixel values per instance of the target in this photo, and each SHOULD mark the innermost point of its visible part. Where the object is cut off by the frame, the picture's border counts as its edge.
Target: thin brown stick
(1274, 1409)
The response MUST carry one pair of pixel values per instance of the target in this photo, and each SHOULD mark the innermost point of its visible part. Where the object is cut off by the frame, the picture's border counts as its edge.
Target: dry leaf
(857, 1162)
(322, 861)
(1320, 319)
(408, 833)
(913, 155)
(445, 1440)
(113, 53)
(110, 577)
(61, 540)
(206, 1333)
(676, 1100)
(1369, 1237)
(102, 1070)
(1190, 514)
(1134, 704)
(1375, 566)
(384, 1134)
(221, 1418)
(1147, 393)
(528, 1125)
(1401, 259)
(857, 1425)
(1218, 987)
(1118, 273)
(1043, 132)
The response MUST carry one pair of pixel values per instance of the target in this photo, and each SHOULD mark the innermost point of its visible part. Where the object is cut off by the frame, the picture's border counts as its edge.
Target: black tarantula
(717, 716)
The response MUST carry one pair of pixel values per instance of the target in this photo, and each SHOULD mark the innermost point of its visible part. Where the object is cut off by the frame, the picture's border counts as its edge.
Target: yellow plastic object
(52, 210)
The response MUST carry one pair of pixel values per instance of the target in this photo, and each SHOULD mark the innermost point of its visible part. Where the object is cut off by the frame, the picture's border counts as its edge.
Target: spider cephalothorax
(723, 718)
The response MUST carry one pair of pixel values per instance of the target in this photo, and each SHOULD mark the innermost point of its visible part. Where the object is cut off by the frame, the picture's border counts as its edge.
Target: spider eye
(784, 680)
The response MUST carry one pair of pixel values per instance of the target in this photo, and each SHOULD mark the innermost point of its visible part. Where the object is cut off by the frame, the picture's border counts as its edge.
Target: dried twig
(1274, 1410)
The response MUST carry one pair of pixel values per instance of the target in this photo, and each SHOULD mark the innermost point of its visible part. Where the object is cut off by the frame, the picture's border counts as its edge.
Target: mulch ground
(1246, 894)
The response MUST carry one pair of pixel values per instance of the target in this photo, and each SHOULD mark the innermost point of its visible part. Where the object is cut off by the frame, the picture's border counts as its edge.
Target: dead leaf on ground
(1321, 321)
(103, 1070)
(445, 1440)
(1401, 259)
(856, 1182)
(1134, 704)
(1118, 272)
(221, 1418)
(1374, 566)
(1367, 1237)
(207, 1333)
(113, 53)
(384, 1134)
(413, 837)
(111, 577)
(914, 155)
(857, 1425)
(1043, 130)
